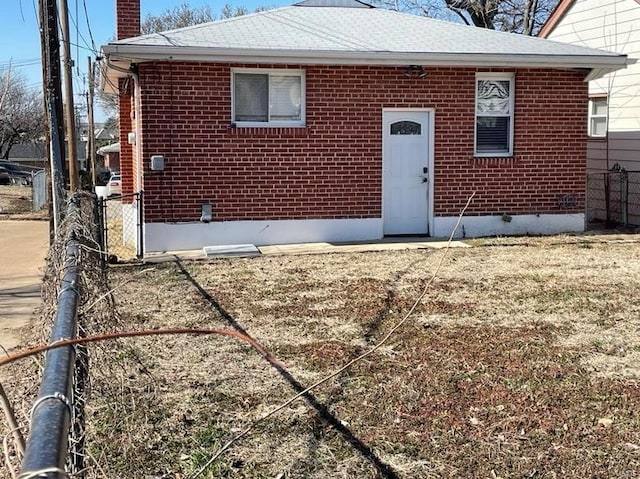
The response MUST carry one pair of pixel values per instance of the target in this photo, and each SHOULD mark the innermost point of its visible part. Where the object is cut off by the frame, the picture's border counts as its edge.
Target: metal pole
(51, 413)
(140, 228)
(72, 154)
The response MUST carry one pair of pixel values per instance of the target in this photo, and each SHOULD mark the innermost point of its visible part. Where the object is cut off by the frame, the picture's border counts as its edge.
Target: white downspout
(137, 128)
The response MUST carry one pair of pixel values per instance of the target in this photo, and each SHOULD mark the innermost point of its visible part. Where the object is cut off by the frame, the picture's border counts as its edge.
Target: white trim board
(160, 237)
(478, 226)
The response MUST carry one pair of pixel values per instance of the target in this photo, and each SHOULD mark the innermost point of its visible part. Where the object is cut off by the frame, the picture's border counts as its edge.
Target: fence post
(104, 223)
(624, 196)
(38, 190)
(99, 213)
(140, 229)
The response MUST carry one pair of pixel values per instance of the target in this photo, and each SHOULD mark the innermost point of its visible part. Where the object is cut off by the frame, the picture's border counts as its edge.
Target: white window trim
(591, 116)
(275, 72)
(510, 77)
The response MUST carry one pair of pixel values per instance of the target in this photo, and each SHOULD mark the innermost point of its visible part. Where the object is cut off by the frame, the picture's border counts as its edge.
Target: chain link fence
(613, 198)
(121, 224)
(27, 199)
(38, 190)
(75, 276)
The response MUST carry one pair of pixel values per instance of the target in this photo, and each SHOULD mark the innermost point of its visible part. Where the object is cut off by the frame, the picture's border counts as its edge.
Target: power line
(86, 16)
(87, 48)
(77, 41)
(37, 15)
(21, 12)
(84, 40)
(19, 63)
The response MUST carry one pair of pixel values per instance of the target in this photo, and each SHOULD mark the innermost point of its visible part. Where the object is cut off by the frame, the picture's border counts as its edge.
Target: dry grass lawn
(15, 203)
(522, 361)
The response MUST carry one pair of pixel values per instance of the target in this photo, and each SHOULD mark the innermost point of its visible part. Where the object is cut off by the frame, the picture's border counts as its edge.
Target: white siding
(612, 25)
(618, 150)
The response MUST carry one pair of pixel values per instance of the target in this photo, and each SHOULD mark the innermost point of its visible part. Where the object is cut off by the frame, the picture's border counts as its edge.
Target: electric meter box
(157, 163)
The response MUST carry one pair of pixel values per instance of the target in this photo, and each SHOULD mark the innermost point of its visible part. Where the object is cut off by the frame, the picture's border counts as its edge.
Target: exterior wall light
(415, 71)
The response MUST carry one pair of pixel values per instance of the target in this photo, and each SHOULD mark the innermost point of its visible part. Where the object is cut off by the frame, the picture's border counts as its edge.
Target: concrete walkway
(23, 248)
(385, 244)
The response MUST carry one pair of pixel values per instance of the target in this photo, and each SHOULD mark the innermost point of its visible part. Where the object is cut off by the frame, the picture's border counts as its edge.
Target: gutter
(120, 57)
(137, 53)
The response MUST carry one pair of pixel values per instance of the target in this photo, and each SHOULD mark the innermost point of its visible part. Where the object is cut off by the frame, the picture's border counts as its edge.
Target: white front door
(406, 172)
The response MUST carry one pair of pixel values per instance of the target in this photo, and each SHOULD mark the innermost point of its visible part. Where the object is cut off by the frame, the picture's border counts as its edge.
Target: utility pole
(72, 153)
(47, 148)
(91, 139)
(53, 94)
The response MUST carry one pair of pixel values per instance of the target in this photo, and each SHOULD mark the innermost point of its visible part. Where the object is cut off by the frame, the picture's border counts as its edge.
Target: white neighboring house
(614, 99)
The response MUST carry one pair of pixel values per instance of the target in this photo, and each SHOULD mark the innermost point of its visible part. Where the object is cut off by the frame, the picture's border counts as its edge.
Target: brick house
(331, 120)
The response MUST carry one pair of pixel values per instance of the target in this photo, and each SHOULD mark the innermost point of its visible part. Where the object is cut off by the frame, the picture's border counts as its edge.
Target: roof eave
(144, 53)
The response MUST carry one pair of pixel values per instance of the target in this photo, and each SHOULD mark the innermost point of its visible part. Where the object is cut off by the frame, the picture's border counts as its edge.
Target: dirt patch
(521, 361)
(23, 247)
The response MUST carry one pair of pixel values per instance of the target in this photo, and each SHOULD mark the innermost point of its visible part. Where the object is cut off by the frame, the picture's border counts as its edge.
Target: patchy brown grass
(523, 360)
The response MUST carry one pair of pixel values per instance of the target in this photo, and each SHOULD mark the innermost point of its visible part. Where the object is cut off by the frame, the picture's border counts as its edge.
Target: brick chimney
(127, 19)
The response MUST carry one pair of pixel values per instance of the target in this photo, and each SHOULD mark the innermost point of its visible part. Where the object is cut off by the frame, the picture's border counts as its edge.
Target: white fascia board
(597, 73)
(137, 53)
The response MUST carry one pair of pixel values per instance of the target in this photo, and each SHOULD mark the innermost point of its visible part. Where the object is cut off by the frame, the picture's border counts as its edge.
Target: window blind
(251, 97)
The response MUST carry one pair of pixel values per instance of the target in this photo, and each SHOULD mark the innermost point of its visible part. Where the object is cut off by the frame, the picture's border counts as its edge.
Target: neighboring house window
(598, 117)
(494, 114)
(268, 97)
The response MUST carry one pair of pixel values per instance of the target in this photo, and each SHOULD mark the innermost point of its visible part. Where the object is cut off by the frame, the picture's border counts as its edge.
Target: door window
(406, 128)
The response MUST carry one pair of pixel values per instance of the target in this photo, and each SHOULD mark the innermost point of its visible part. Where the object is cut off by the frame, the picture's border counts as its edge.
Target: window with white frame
(598, 117)
(494, 114)
(268, 97)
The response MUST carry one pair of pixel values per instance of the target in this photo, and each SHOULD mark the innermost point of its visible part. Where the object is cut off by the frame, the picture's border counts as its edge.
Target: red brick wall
(333, 167)
(112, 161)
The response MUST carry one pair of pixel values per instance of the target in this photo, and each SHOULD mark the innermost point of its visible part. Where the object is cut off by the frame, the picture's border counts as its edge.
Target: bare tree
(480, 13)
(185, 15)
(177, 17)
(518, 16)
(229, 12)
(21, 112)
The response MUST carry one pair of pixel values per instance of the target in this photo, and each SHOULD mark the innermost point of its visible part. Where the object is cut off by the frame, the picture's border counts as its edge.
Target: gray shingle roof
(330, 34)
(35, 149)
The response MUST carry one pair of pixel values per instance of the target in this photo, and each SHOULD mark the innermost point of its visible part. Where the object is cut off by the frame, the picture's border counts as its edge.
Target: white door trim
(430, 162)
